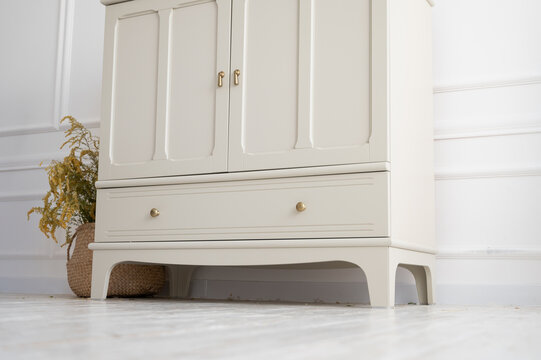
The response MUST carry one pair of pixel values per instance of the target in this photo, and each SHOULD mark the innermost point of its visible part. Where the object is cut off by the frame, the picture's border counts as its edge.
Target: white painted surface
(488, 155)
(338, 206)
(486, 103)
(411, 123)
(352, 205)
(192, 111)
(162, 106)
(134, 97)
(249, 175)
(341, 60)
(378, 263)
(286, 111)
(24, 59)
(121, 328)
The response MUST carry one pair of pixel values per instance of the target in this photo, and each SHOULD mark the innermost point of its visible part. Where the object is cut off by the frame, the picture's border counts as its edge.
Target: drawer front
(353, 205)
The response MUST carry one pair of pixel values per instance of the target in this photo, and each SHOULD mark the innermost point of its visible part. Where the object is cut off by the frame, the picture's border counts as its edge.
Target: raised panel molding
(462, 174)
(62, 80)
(438, 89)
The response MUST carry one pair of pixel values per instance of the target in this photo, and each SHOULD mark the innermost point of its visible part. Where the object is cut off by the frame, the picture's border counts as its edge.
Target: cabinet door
(163, 111)
(312, 88)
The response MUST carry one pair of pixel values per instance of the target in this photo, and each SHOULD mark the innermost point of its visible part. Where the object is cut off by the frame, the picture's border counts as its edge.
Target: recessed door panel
(341, 73)
(162, 103)
(270, 75)
(133, 122)
(192, 108)
(312, 89)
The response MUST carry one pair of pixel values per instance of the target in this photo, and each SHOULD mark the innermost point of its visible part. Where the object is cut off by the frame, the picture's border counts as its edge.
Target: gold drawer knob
(300, 206)
(154, 212)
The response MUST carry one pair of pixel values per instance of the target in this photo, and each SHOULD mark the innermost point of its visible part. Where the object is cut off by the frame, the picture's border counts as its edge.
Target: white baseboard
(486, 295)
(30, 285)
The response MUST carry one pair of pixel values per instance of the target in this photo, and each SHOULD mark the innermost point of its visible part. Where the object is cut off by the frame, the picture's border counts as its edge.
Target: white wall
(487, 94)
(50, 66)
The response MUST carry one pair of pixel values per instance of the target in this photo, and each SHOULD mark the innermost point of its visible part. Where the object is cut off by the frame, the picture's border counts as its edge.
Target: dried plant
(71, 200)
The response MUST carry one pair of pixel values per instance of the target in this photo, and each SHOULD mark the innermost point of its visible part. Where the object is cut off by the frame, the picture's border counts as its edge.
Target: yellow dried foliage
(71, 200)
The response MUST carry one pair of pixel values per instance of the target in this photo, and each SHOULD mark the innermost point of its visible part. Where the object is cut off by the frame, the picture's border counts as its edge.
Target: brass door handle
(300, 206)
(154, 212)
(236, 74)
(221, 76)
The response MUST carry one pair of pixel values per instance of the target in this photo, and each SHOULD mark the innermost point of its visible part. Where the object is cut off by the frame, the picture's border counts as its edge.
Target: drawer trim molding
(248, 175)
(244, 244)
(262, 244)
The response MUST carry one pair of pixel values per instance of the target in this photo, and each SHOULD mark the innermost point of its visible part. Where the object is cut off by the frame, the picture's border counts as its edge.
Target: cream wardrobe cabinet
(268, 132)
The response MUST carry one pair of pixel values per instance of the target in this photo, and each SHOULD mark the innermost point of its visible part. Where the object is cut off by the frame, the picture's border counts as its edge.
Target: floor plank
(41, 327)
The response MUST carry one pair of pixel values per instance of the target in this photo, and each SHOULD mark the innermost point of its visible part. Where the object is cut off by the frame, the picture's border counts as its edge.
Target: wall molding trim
(29, 162)
(22, 196)
(533, 80)
(27, 129)
(34, 285)
(487, 132)
(90, 123)
(489, 253)
(63, 60)
(32, 257)
(32, 161)
(461, 174)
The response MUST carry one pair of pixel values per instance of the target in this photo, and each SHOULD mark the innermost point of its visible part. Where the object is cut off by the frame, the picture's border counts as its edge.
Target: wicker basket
(125, 280)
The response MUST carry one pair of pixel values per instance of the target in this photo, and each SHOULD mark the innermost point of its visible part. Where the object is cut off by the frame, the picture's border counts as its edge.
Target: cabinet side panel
(341, 73)
(192, 117)
(412, 175)
(270, 75)
(133, 122)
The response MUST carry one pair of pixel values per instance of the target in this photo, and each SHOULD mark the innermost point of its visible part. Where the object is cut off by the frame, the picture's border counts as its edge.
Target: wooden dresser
(266, 132)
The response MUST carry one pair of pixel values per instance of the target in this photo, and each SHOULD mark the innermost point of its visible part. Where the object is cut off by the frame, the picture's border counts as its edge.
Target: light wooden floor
(36, 327)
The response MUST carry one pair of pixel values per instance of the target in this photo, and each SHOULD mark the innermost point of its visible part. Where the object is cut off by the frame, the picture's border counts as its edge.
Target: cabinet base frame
(379, 263)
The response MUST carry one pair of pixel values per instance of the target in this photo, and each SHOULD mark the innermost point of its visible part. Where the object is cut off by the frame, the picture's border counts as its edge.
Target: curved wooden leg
(179, 280)
(101, 271)
(419, 274)
(380, 275)
(381, 286)
(430, 285)
(423, 281)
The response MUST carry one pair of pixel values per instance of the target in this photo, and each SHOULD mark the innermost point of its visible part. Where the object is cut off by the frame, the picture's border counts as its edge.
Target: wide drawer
(352, 205)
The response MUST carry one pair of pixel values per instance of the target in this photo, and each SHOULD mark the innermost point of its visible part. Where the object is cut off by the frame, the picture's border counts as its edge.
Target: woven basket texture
(125, 279)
